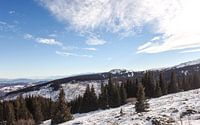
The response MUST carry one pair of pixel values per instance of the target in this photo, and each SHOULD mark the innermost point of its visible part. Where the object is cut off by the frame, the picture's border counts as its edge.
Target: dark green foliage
(89, 101)
(62, 111)
(131, 88)
(1, 111)
(196, 81)
(37, 115)
(114, 99)
(123, 94)
(103, 97)
(185, 83)
(23, 112)
(163, 84)
(149, 84)
(10, 114)
(173, 86)
(141, 104)
(76, 104)
(158, 91)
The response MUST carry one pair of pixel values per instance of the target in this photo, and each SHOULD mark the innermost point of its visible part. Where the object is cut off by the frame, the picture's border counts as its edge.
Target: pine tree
(173, 86)
(196, 81)
(62, 111)
(103, 97)
(163, 84)
(93, 97)
(10, 118)
(141, 104)
(23, 111)
(1, 111)
(149, 84)
(17, 108)
(185, 83)
(158, 91)
(37, 115)
(113, 94)
(123, 94)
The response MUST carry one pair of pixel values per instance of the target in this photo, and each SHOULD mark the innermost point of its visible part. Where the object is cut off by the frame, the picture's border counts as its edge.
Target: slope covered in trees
(35, 109)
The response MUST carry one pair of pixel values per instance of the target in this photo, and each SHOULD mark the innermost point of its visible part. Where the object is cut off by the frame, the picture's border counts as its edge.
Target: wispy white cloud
(72, 54)
(49, 41)
(7, 27)
(95, 41)
(28, 36)
(176, 20)
(90, 49)
(191, 51)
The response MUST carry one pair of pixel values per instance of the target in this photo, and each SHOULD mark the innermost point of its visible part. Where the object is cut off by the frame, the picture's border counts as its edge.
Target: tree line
(35, 109)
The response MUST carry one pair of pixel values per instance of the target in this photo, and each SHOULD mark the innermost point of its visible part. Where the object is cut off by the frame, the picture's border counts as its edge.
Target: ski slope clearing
(175, 109)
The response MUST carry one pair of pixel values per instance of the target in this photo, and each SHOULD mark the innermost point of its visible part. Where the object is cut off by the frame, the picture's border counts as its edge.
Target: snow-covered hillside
(175, 109)
(72, 90)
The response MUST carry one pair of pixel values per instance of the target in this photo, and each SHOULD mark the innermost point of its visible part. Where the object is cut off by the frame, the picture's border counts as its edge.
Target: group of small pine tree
(33, 110)
(112, 95)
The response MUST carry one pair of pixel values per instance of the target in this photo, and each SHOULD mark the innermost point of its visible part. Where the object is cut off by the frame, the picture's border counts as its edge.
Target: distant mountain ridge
(75, 85)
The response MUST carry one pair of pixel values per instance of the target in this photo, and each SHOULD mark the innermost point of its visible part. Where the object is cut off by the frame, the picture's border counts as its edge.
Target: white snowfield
(175, 109)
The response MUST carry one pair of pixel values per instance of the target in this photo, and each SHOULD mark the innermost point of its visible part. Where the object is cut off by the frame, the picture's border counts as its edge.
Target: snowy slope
(72, 90)
(189, 63)
(167, 108)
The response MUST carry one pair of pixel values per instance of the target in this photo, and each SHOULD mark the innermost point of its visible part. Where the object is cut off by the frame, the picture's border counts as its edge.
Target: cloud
(72, 54)
(49, 41)
(28, 36)
(95, 41)
(90, 49)
(191, 51)
(12, 12)
(177, 21)
(7, 27)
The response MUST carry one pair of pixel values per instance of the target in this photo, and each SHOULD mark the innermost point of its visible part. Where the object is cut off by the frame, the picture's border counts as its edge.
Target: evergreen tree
(103, 97)
(37, 115)
(76, 104)
(163, 84)
(113, 94)
(62, 111)
(89, 102)
(23, 111)
(158, 91)
(141, 104)
(149, 84)
(196, 81)
(10, 118)
(185, 83)
(123, 94)
(173, 86)
(1, 111)
(17, 108)
(93, 97)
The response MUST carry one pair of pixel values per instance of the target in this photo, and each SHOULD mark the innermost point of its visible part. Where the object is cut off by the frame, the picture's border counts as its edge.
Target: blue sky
(40, 38)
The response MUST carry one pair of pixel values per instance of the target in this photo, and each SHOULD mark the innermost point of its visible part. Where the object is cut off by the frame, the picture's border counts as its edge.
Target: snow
(167, 108)
(188, 63)
(72, 90)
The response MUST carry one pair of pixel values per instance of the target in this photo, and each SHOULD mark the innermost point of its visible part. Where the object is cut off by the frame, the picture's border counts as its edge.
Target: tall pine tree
(62, 111)
(141, 105)
(173, 86)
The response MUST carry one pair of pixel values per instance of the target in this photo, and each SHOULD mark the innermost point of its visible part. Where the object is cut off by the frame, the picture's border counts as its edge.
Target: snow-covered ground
(175, 109)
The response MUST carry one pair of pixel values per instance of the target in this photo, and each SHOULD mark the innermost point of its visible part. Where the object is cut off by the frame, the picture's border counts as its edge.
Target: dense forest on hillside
(35, 109)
